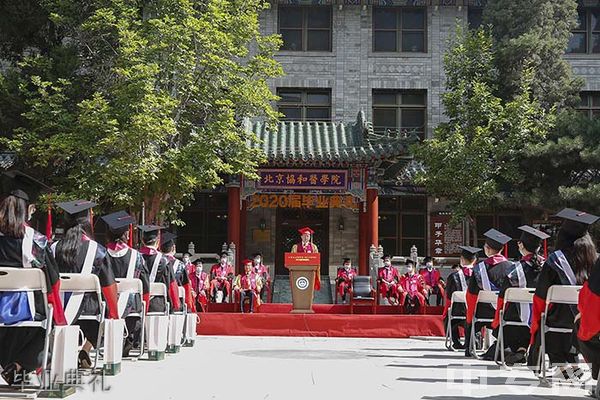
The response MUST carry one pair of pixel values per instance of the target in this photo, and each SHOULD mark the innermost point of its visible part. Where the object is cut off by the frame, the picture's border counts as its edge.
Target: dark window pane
(217, 222)
(595, 99)
(290, 97)
(318, 114)
(385, 98)
(292, 39)
(414, 203)
(318, 41)
(596, 43)
(475, 17)
(413, 98)
(413, 42)
(388, 203)
(290, 17)
(413, 225)
(408, 243)
(385, 118)
(484, 224)
(384, 18)
(595, 20)
(319, 17)
(388, 225)
(317, 98)
(385, 41)
(595, 114)
(584, 98)
(581, 21)
(413, 19)
(217, 201)
(389, 245)
(577, 43)
(413, 118)
(293, 113)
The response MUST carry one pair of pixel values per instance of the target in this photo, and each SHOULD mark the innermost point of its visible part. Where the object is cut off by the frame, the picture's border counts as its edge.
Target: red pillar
(233, 220)
(372, 217)
(363, 245)
(242, 248)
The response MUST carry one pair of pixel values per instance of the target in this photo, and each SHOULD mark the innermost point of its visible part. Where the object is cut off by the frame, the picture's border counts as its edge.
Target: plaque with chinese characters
(445, 238)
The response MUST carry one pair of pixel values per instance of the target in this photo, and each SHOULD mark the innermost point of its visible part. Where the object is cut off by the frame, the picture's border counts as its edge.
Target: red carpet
(328, 320)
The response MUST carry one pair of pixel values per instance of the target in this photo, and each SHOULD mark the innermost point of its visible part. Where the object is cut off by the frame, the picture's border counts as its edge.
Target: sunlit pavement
(317, 368)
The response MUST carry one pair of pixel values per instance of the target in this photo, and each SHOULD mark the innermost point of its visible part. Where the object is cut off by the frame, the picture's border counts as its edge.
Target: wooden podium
(303, 267)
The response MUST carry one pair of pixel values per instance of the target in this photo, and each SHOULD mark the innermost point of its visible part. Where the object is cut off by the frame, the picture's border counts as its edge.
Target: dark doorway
(289, 220)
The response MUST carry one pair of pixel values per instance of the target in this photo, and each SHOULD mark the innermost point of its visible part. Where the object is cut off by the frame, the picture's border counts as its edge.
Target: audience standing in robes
(178, 268)
(128, 263)
(23, 247)
(569, 264)
(388, 281)
(158, 269)
(200, 285)
(221, 278)
(412, 290)
(78, 253)
(434, 284)
(344, 277)
(457, 282)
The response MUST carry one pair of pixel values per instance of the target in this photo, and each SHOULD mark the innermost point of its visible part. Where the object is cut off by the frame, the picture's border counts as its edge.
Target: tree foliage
(565, 168)
(473, 158)
(141, 101)
(532, 35)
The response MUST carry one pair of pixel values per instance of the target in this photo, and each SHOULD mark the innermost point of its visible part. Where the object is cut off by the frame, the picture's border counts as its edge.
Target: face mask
(408, 270)
(387, 263)
(347, 267)
(429, 266)
(186, 260)
(198, 271)
(223, 261)
(257, 260)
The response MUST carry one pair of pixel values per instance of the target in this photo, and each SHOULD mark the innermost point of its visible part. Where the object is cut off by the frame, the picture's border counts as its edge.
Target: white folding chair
(176, 325)
(86, 283)
(157, 324)
(30, 280)
(511, 296)
(126, 287)
(557, 294)
(458, 297)
(484, 297)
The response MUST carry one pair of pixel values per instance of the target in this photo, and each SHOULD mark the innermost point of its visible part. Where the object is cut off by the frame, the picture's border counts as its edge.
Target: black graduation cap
(118, 221)
(258, 253)
(150, 232)
(496, 239)
(469, 251)
(531, 234)
(576, 223)
(386, 256)
(346, 259)
(76, 206)
(224, 253)
(167, 238)
(21, 185)
(410, 261)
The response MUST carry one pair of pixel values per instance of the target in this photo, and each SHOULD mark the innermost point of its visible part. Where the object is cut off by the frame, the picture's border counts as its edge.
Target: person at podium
(306, 245)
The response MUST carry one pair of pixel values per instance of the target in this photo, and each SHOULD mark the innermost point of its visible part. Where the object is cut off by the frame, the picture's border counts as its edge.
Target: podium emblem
(302, 283)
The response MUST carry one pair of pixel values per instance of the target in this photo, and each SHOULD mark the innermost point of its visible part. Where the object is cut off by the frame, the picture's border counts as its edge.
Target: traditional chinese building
(340, 56)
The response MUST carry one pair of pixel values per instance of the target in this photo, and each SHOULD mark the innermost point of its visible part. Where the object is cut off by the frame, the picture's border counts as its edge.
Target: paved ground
(319, 368)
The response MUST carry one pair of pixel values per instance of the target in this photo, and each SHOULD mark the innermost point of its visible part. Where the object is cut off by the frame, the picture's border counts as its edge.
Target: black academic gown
(501, 274)
(164, 275)
(118, 262)
(588, 327)
(559, 346)
(456, 283)
(25, 345)
(89, 304)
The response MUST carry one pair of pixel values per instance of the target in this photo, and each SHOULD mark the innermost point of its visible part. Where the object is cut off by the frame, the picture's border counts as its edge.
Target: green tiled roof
(327, 143)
